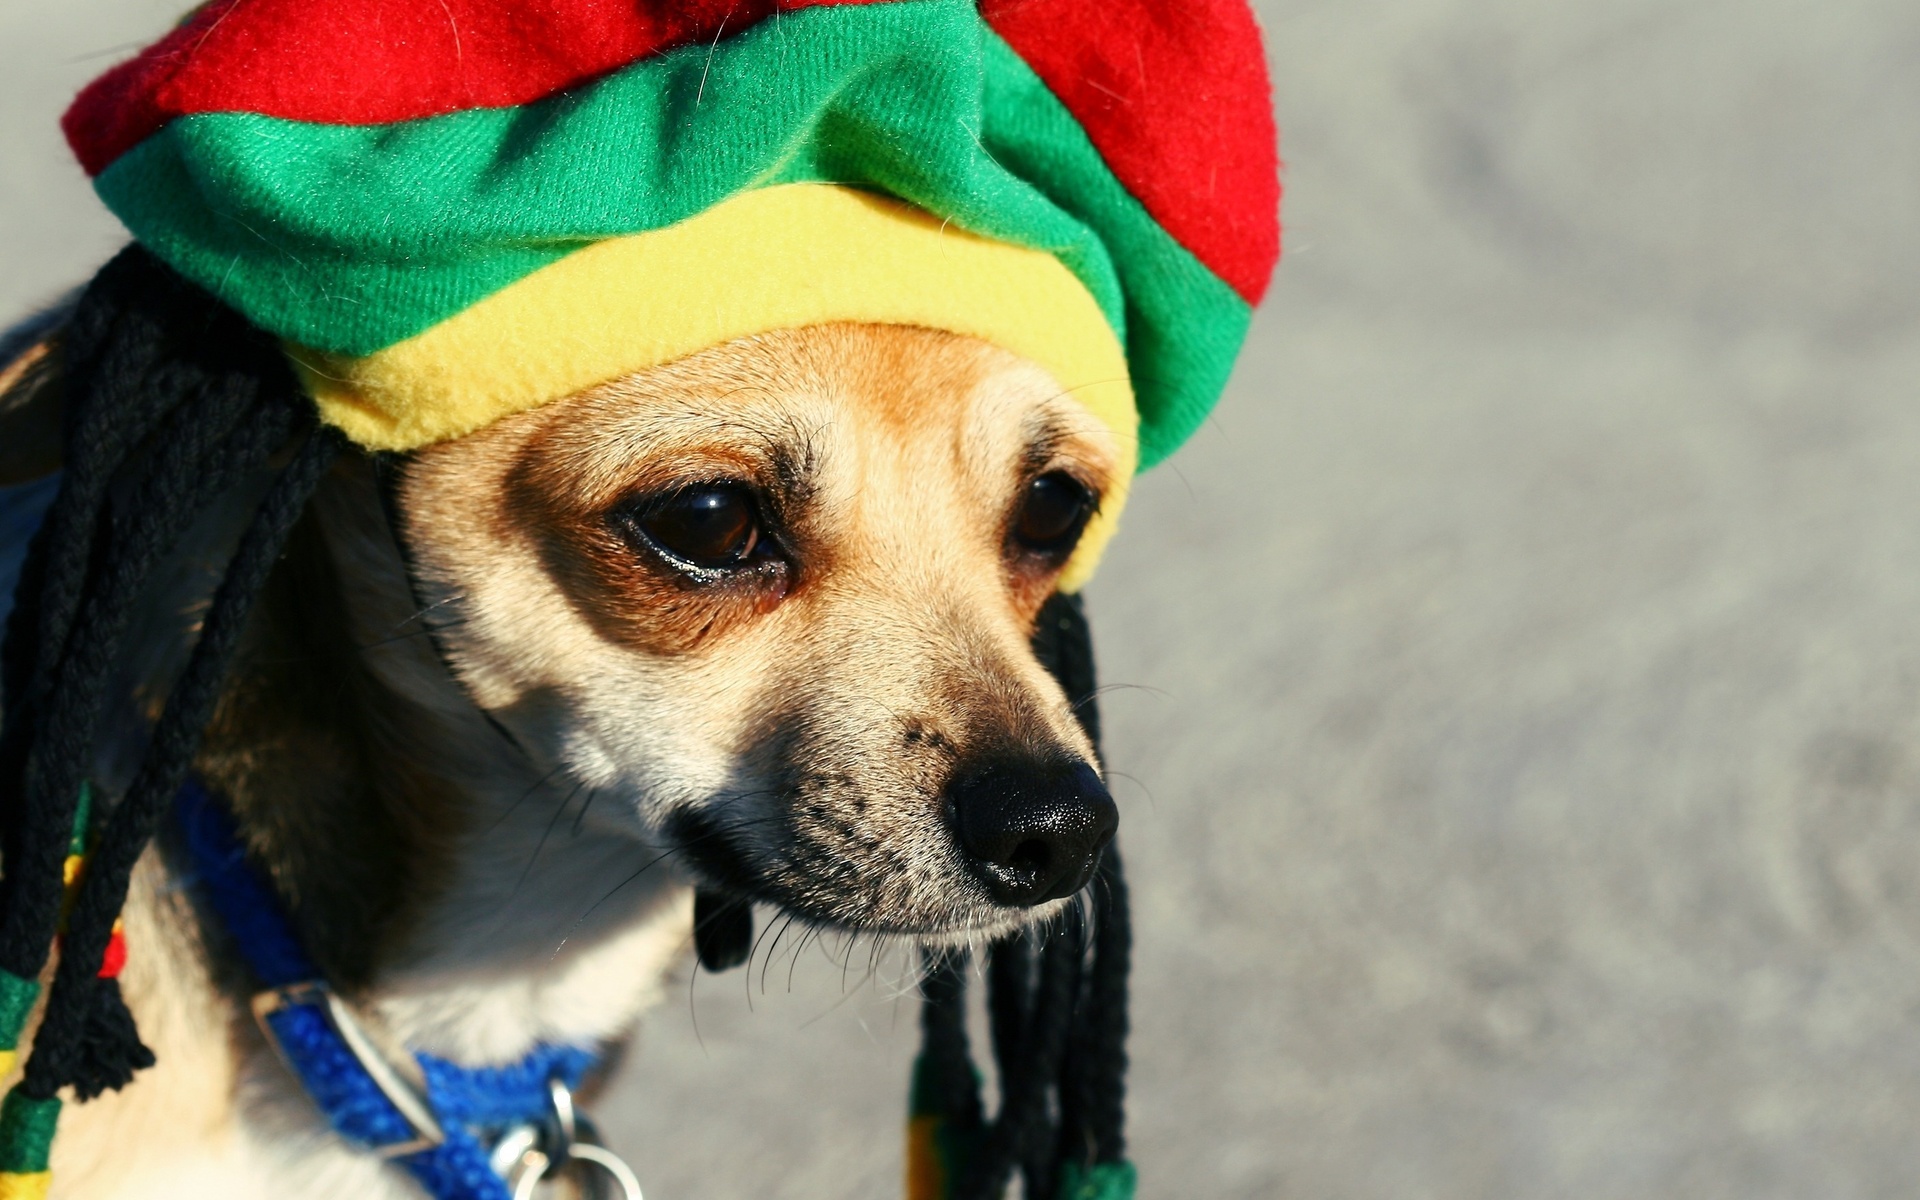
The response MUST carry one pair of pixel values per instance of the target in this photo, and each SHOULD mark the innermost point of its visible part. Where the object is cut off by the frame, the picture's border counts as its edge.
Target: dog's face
(777, 598)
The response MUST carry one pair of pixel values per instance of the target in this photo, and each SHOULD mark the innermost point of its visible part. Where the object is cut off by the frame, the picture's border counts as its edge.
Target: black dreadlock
(172, 402)
(1056, 1005)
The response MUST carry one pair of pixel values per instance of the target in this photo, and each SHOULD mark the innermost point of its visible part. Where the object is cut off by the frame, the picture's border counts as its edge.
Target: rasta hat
(453, 211)
(387, 223)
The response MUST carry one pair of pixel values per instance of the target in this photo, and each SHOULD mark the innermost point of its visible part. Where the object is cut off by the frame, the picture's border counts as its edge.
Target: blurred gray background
(1520, 778)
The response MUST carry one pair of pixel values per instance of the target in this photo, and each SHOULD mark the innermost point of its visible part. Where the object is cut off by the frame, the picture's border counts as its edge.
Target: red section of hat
(1175, 94)
(368, 62)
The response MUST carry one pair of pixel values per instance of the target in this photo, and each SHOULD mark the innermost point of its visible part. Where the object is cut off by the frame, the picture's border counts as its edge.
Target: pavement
(1517, 684)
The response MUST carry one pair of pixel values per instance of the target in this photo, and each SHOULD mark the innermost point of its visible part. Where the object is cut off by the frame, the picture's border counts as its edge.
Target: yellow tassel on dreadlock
(25, 1187)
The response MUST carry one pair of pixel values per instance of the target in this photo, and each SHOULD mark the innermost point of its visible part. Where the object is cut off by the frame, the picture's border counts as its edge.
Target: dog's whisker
(1108, 688)
(846, 994)
(809, 935)
(580, 820)
(506, 734)
(559, 811)
(773, 948)
(1136, 781)
(427, 632)
(651, 863)
(419, 613)
(746, 981)
(693, 1009)
(537, 785)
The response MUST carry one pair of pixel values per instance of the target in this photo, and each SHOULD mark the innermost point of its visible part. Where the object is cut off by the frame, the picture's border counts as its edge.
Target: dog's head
(778, 598)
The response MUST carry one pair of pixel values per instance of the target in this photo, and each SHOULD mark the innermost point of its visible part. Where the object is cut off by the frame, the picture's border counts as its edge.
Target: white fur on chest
(576, 985)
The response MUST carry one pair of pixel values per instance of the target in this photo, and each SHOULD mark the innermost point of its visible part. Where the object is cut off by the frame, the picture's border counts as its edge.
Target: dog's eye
(1053, 511)
(712, 526)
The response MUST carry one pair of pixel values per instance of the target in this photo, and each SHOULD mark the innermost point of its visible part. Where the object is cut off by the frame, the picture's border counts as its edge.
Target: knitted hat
(454, 210)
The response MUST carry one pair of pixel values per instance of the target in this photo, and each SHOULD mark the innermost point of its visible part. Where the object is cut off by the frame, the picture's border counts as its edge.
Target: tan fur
(484, 761)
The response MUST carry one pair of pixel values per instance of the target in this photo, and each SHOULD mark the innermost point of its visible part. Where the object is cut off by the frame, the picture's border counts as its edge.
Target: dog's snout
(1032, 832)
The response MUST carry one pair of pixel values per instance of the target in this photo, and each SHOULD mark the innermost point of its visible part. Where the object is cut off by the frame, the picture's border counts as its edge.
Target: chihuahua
(755, 623)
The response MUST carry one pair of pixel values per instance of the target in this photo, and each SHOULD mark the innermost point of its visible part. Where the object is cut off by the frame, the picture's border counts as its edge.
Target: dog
(756, 622)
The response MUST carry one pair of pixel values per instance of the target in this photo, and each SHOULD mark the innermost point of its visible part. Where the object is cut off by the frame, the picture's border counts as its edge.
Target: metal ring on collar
(529, 1154)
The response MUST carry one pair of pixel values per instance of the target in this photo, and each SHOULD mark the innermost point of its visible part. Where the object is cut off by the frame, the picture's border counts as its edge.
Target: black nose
(1033, 832)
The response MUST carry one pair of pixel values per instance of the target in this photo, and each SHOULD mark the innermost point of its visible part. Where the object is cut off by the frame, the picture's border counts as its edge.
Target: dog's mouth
(709, 853)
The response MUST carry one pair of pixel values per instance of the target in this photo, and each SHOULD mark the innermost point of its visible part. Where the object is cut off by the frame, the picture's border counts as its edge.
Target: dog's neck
(440, 865)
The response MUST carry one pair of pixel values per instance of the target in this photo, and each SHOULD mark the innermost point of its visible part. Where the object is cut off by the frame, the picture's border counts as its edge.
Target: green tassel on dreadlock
(26, 1140)
(1101, 1181)
(17, 998)
(27, 1124)
(940, 1141)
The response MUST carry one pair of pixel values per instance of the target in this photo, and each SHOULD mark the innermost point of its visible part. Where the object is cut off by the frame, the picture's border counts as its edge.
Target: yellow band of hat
(775, 258)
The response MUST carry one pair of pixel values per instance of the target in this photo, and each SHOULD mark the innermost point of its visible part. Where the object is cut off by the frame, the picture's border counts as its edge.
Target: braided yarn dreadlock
(173, 402)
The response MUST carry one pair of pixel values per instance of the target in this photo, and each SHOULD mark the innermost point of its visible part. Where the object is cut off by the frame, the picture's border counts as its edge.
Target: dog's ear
(30, 379)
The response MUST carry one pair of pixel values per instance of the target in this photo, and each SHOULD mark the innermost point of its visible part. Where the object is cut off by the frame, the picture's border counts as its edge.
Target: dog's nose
(1033, 832)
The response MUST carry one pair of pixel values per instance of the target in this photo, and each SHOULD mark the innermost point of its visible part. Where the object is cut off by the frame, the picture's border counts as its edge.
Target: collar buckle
(398, 1076)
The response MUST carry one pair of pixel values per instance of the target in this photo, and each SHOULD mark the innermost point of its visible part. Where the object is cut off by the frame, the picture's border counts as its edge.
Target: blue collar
(436, 1118)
